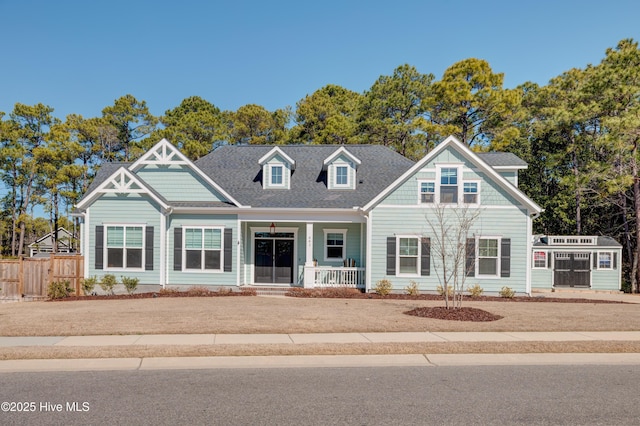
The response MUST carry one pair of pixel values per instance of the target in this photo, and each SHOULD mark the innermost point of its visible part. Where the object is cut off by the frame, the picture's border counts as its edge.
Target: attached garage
(576, 262)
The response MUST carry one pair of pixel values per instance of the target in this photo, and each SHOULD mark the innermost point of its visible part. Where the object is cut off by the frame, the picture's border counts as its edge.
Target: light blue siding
(178, 183)
(192, 278)
(353, 243)
(131, 210)
(504, 223)
(491, 193)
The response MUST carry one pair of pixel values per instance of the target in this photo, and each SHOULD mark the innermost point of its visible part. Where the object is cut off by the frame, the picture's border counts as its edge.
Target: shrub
(59, 290)
(441, 291)
(383, 287)
(507, 292)
(412, 288)
(88, 284)
(475, 290)
(108, 282)
(130, 284)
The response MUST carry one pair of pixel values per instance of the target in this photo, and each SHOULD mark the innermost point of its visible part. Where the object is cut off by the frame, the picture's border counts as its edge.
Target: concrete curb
(315, 361)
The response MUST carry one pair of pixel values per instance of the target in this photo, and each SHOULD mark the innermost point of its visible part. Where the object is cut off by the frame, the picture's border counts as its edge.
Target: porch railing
(330, 276)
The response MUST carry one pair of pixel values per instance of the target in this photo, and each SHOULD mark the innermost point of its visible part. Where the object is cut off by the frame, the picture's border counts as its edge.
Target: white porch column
(309, 272)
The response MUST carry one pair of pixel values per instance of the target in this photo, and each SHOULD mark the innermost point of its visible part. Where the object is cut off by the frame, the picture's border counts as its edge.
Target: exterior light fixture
(272, 229)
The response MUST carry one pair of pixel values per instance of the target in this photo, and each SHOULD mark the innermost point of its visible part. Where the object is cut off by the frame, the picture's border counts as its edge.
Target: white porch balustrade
(331, 276)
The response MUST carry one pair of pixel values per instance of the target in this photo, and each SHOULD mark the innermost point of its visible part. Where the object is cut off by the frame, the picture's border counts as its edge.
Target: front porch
(309, 254)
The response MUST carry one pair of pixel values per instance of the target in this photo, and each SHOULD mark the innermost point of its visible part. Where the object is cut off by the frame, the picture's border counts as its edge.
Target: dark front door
(572, 269)
(274, 260)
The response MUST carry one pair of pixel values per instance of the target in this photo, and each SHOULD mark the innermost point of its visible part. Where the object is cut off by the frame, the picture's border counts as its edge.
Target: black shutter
(391, 255)
(470, 264)
(177, 249)
(425, 263)
(549, 258)
(99, 249)
(615, 260)
(228, 250)
(505, 258)
(595, 260)
(148, 249)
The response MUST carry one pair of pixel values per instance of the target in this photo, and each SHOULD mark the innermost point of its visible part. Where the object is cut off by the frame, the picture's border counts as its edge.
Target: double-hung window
(203, 249)
(488, 255)
(125, 246)
(470, 195)
(449, 185)
(427, 192)
(335, 243)
(342, 175)
(408, 254)
(276, 176)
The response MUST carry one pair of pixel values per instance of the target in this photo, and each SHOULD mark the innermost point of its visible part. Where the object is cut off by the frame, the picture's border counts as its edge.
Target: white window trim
(184, 251)
(479, 184)
(499, 256)
(270, 179)
(439, 168)
(420, 182)
(332, 178)
(419, 256)
(610, 261)
(546, 259)
(344, 244)
(105, 251)
(335, 173)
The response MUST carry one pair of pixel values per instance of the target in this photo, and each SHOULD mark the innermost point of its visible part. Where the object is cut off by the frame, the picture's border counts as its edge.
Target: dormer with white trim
(277, 168)
(341, 168)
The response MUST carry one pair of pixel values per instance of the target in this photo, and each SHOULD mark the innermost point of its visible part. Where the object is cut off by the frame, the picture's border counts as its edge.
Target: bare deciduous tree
(450, 228)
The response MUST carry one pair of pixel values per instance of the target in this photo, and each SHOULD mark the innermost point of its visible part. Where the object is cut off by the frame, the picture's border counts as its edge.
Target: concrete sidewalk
(301, 339)
(314, 361)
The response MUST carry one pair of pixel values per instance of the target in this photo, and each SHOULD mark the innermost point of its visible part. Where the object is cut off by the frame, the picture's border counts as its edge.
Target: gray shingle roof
(236, 170)
(502, 159)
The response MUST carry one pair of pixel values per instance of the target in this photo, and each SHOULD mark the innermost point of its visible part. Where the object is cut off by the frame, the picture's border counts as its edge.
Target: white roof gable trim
(278, 151)
(340, 151)
(473, 158)
(122, 181)
(164, 153)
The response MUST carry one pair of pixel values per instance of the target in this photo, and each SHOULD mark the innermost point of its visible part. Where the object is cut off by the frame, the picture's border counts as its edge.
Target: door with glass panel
(273, 258)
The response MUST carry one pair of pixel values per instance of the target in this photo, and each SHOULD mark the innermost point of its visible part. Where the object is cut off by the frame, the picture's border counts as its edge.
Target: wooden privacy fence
(29, 278)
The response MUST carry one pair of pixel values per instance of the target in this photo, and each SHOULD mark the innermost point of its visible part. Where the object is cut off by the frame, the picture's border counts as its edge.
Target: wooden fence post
(21, 277)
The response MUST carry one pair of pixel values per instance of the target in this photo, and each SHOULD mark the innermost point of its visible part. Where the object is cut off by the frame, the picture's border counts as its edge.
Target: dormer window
(342, 176)
(341, 167)
(277, 168)
(276, 175)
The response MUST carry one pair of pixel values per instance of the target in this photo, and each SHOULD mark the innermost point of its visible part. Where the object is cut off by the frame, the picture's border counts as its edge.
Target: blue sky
(79, 56)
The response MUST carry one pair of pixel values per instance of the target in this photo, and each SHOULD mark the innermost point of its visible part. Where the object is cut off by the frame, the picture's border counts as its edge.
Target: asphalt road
(502, 395)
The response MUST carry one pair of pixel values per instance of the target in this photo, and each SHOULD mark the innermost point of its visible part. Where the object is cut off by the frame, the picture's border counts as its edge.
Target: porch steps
(271, 291)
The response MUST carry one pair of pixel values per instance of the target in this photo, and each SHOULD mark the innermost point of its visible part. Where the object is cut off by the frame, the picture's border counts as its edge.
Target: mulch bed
(161, 293)
(351, 293)
(457, 314)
